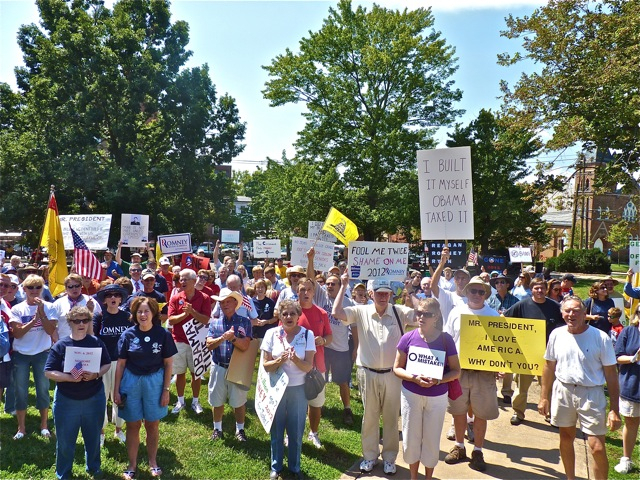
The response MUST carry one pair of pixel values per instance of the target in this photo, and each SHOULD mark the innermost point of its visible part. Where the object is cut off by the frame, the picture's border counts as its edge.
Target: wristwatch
(167, 389)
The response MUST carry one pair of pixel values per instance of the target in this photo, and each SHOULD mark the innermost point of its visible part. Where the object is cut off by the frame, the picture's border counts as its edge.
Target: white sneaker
(367, 465)
(196, 407)
(120, 436)
(179, 406)
(101, 440)
(389, 468)
(624, 466)
(313, 438)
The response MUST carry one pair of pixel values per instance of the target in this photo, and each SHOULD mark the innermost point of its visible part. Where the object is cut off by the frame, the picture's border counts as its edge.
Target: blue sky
(236, 38)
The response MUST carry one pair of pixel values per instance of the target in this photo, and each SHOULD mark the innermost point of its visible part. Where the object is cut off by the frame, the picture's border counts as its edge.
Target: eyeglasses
(289, 314)
(78, 321)
(474, 291)
(73, 286)
(5, 285)
(603, 288)
(296, 275)
(109, 295)
(331, 284)
(34, 287)
(420, 313)
(135, 270)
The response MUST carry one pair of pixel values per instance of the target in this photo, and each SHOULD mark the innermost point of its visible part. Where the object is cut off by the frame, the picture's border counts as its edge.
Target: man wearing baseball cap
(380, 327)
(478, 387)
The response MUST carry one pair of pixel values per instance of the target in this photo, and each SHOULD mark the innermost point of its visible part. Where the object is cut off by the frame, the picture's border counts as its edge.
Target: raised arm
(338, 309)
(119, 253)
(435, 280)
(311, 272)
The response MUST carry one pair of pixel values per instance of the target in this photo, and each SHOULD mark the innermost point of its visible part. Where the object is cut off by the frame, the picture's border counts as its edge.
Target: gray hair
(573, 298)
(188, 274)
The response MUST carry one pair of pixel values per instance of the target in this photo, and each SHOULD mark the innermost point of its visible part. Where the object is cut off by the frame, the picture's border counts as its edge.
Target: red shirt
(201, 303)
(169, 278)
(316, 320)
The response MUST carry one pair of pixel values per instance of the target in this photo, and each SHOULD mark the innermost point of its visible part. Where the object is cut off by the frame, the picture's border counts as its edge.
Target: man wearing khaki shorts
(579, 360)
(183, 307)
(479, 391)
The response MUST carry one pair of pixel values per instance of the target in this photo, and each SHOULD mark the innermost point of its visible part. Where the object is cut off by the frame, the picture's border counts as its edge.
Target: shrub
(581, 261)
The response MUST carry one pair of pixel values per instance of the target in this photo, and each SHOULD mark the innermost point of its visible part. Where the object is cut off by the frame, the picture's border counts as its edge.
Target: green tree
(618, 237)
(505, 208)
(376, 84)
(587, 88)
(108, 113)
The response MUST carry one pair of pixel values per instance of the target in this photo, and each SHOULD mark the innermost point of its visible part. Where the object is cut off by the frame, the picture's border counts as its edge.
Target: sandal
(18, 436)
(45, 433)
(129, 474)
(156, 471)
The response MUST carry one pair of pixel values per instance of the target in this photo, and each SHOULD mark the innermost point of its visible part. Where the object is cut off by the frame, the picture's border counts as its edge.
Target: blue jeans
(22, 364)
(70, 416)
(292, 415)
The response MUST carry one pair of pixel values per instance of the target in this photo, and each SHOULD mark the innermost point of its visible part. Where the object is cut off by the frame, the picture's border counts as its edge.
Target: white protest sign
(93, 230)
(634, 255)
(230, 236)
(175, 244)
(426, 362)
(270, 388)
(134, 229)
(196, 334)
(323, 260)
(3, 255)
(520, 255)
(315, 231)
(369, 260)
(446, 193)
(266, 248)
(619, 303)
(89, 357)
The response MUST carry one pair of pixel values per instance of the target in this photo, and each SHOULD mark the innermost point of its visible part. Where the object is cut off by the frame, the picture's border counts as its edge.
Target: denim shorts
(143, 396)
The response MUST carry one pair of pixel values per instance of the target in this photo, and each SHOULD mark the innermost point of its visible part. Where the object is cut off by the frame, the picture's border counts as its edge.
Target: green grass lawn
(186, 451)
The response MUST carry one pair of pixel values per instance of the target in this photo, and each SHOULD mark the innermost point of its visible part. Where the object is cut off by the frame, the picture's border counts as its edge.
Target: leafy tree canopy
(376, 84)
(587, 88)
(506, 209)
(107, 112)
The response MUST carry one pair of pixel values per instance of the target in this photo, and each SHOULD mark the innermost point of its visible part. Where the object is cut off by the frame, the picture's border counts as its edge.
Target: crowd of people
(138, 315)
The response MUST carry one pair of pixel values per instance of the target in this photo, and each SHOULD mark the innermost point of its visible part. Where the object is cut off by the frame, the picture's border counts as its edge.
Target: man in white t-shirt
(478, 387)
(579, 360)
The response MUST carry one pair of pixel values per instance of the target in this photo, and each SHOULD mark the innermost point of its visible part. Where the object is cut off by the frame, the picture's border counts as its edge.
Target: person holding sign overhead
(79, 401)
(426, 361)
(380, 327)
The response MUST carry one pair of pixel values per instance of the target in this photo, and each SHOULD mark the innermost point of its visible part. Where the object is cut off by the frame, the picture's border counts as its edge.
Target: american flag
(86, 262)
(246, 302)
(473, 257)
(76, 371)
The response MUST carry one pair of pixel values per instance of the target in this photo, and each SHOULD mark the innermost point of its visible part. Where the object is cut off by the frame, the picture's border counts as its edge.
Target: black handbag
(313, 380)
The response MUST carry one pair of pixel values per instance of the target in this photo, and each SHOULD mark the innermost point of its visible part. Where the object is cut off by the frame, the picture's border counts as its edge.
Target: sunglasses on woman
(78, 321)
(34, 287)
(420, 313)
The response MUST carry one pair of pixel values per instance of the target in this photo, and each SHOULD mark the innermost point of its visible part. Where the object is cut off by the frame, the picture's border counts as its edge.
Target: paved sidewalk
(526, 451)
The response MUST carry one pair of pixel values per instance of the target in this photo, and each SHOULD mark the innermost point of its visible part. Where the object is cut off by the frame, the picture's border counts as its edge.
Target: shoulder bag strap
(393, 307)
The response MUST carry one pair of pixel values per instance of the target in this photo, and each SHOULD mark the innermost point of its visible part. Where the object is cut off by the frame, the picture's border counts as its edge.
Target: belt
(223, 365)
(375, 370)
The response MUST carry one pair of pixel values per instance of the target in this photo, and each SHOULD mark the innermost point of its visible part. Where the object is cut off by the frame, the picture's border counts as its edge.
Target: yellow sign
(502, 344)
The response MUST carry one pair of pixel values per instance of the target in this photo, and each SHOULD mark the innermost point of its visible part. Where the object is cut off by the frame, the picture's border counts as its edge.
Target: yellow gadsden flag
(343, 228)
(52, 239)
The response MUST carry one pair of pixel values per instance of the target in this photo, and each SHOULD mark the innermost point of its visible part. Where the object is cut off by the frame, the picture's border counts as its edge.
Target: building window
(630, 212)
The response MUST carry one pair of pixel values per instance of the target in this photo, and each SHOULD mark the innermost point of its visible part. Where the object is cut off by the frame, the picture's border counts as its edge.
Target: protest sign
(266, 248)
(425, 362)
(634, 255)
(619, 303)
(446, 193)
(270, 388)
(194, 262)
(520, 255)
(230, 236)
(88, 357)
(324, 253)
(315, 231)
(93, 229)
(502, 344)
(493, 263)
(196, 334)
(134, 230)
(242, 365)
(368, 260)
(457, 253)
(175, 244)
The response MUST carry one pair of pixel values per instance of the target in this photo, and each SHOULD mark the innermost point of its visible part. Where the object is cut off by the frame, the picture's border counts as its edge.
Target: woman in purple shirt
(426, 361)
